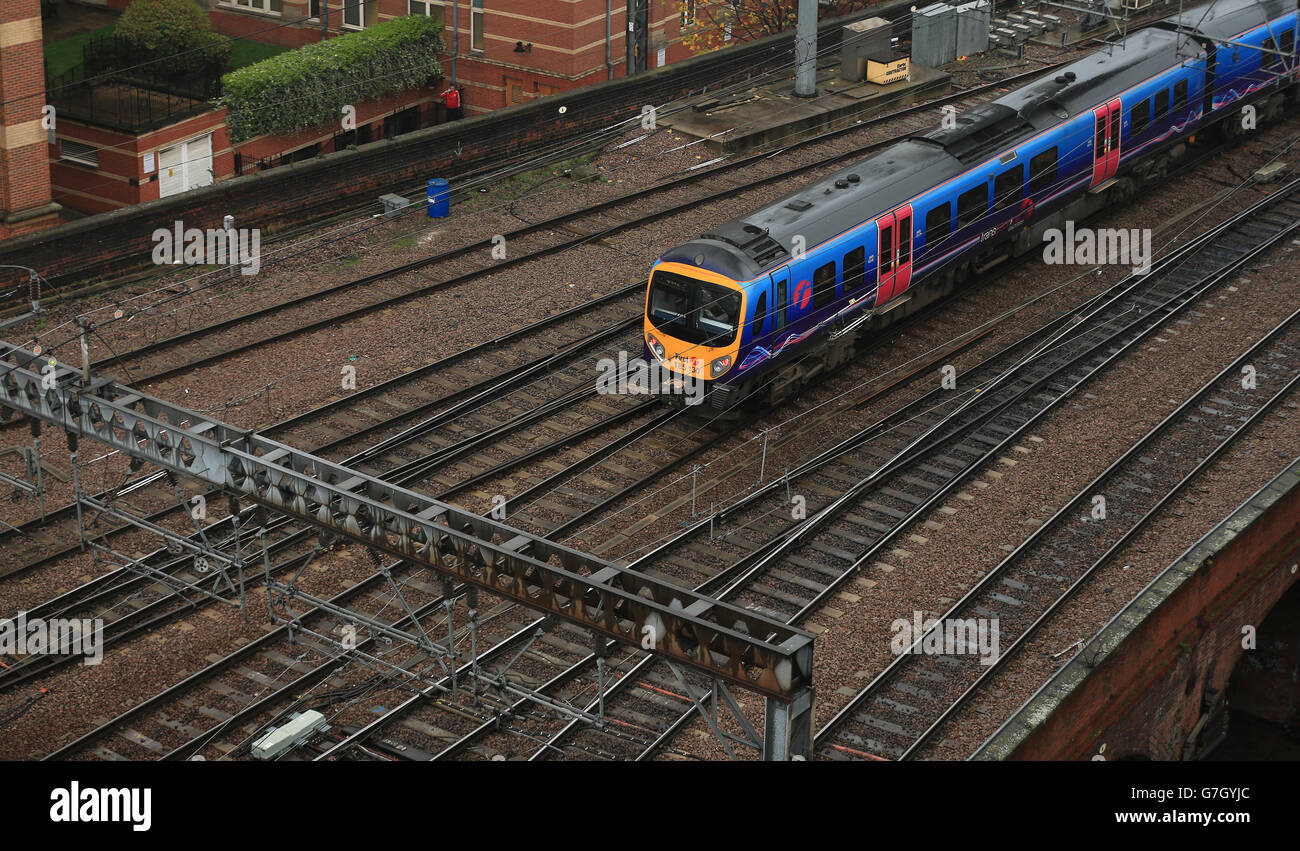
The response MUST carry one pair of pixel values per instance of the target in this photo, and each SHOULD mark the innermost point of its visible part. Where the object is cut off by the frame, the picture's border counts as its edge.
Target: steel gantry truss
(727, 643)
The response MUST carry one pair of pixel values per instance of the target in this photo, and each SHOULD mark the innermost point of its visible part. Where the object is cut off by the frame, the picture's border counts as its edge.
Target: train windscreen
(694, 311)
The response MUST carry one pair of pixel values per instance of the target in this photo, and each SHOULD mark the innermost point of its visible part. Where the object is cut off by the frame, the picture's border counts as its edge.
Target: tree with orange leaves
(710, 24)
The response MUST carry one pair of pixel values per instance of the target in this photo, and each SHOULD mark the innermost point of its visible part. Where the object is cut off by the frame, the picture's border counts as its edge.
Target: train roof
(745, 247)
(1227, 18)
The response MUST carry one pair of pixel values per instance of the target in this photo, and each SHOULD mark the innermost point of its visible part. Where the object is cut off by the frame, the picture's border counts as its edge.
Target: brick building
(25, 202)
(510, 51)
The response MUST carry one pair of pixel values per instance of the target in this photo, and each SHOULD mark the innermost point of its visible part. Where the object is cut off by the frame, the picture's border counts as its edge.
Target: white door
(185, 166)
(198, 162)
(171, 171)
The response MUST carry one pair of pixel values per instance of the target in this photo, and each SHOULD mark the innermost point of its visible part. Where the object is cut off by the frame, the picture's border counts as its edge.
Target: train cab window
(824, 285)
(1162, 107)
(972, 206)
(695, 311)
(1180, 97)
(782, 299)
(760, 316)
(855, 269)
(1042, 172)
(1008, 188)
(1139, 117)
(938, 223)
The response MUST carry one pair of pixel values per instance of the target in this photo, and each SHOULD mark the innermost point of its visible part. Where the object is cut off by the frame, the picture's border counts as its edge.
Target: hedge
(174, 36)
(309, 86)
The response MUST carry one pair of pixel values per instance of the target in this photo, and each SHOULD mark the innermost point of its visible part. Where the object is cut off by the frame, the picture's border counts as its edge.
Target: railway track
(796, 584)
(794, 573)
(418, 401)
(431, 456)
(905, 707)
(205, 346)
(575, 649)
(569, 497)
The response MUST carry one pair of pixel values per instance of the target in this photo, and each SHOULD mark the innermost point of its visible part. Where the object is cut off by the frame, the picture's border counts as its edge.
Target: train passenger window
(1008, 188)
(1139, 117)
(904, 240)
(760, 316)
(1269, 58)
(1162, 106)
(1180, 97)
(1042, 172)
(824, 285)
(1101, 137)
(855, 269)
(972, 206)
(1114, 133)
(1288, 43)
(938, 223)
(886, 249)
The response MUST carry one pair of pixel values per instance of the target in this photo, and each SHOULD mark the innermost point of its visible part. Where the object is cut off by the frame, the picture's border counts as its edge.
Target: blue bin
(439, 198)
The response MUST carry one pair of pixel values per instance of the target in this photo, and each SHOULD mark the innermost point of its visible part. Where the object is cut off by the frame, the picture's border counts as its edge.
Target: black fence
(115, 87)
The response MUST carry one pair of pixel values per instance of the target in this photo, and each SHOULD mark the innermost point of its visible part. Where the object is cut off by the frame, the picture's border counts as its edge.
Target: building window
(80, 153)
(476, 26)
(270, 6)
(354, 13)
(688, 13)
(428, 8)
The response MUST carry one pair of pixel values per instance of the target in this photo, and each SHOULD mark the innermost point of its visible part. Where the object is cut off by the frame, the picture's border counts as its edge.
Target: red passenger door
(1105, 144)
(887, 237)
(894, 255)
(903, 254)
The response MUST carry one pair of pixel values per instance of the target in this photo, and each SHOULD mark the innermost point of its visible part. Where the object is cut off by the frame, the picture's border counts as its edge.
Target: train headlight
(719, 366)
(655, 345)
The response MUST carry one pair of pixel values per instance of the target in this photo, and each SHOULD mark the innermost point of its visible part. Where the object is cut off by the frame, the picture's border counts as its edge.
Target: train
(754, 309)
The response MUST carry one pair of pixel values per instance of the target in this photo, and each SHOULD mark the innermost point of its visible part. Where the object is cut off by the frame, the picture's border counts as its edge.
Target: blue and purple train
(758, 306)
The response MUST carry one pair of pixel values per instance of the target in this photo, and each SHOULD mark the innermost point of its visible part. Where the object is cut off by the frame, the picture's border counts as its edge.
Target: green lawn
(247, 52)
(65, 54)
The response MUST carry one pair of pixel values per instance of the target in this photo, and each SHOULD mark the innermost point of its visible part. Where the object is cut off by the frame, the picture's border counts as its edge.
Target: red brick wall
(24, 173)
(120, 179)
(567, 38)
